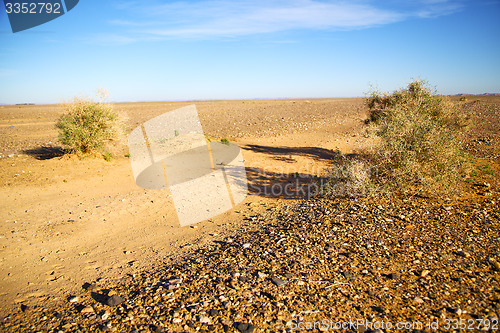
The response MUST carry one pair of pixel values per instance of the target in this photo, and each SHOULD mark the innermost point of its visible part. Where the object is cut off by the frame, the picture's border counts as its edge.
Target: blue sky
(230, 49)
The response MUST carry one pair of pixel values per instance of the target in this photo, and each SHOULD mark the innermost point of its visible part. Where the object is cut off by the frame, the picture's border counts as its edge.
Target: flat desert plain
(74, 232)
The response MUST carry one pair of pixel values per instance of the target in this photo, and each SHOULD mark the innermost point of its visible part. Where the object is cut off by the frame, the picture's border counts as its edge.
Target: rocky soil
(383, 263)
(413, 264)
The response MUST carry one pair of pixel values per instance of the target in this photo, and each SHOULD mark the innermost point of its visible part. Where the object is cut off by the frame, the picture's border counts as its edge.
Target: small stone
(89, 286)
(73, 299)
(175, 281)
(245, 328)
(261, 275)
(115, 300)
(278, 282)
(246, 245)
(424, 273)
(418, 300)
(87, 309)
(349, 275)
(494, 264)
(176, 321)
(463, 254)
(226, 322)
(105, 316)
(205, 320)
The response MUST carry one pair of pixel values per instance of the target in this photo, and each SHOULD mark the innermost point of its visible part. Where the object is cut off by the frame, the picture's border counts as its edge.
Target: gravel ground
(329, 261)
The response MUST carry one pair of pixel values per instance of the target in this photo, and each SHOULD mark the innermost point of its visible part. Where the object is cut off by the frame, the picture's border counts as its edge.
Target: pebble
(418, 300)
(87, 309)
(205, 320)
(349, 275)
(278, 282)
(245, 327)
(495, 264)
(114, 300)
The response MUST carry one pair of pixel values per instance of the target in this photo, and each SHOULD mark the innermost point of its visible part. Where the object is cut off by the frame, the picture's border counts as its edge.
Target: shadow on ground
(290, 183)
(46, 152)
(293, 183)
(286, 153)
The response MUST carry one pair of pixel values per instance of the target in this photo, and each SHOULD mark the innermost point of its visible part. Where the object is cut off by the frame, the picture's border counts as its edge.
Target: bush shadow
(46, 152)
(286, 153)
(290, 184)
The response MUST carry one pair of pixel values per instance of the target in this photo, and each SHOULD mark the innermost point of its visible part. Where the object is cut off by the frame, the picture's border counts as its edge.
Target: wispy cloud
(436, 8)
(227, 18)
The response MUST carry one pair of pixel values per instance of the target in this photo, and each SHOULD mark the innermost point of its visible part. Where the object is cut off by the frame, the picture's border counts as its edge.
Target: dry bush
(348, 177)
(89, 127)
(420, 136)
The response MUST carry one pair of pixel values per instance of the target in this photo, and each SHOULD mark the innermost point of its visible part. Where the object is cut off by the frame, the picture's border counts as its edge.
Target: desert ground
(74, 232)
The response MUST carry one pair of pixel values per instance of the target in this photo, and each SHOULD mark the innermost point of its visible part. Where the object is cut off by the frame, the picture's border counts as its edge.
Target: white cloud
(226, 18)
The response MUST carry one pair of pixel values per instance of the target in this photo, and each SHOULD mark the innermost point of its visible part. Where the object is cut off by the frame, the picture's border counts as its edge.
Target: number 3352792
(470, 324)
(33, 8)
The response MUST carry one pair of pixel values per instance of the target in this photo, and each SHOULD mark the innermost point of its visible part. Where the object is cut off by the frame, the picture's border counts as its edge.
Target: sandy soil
(66, 221)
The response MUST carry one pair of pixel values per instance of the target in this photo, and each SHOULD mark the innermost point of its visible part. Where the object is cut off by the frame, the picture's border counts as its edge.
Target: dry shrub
(348, 177)
(89, 127)
(420, 136)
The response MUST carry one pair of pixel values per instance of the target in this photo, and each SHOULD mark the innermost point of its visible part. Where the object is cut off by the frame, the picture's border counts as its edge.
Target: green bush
(87, 126)
(420, 134)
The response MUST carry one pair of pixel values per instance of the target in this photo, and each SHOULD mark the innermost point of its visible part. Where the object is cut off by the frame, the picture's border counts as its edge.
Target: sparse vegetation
(107, 156)
(486, 169)
(463, 99)
(421, 136)
(87, 126)
(224, 141)
(420, 145)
